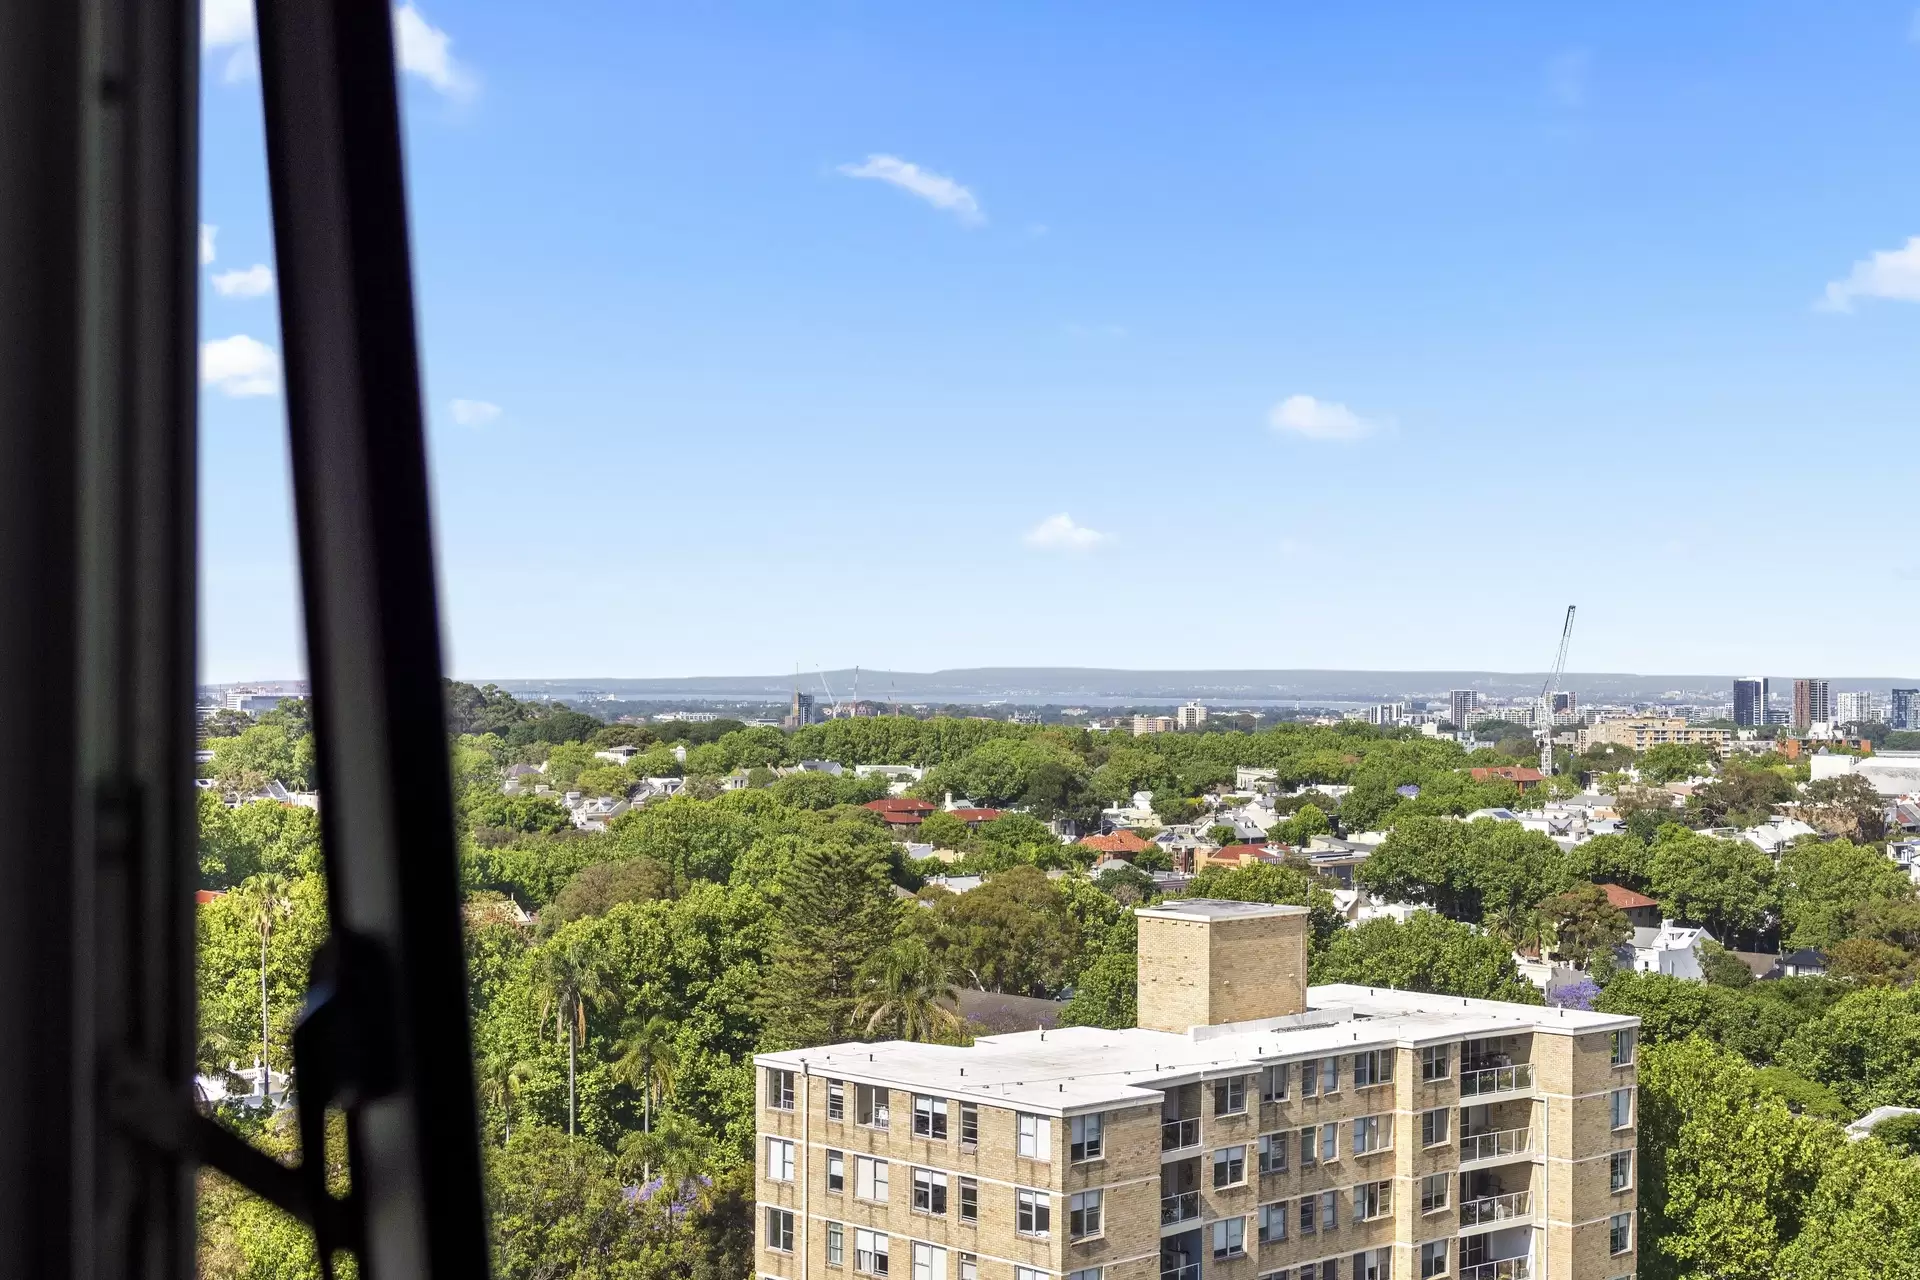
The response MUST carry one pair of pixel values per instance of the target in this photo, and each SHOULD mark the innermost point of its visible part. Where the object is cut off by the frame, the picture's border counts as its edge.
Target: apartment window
(1273, 1083)
(969, 1124)
(1083, 1214)
(929, 1117)
(1433, 1259)
(1084, 1273)
(869, 1252)
(779, 1089)
(1372, 1200)
(1032, 1212)
(1309, 1215)
(1373, 1264)
(1623, 1047)
(1230, 1096)
(1229, 1167)
(1372, 1133)
(1621, 1101)
(1328, 1218)
(780, 1159)
(1273, 1153)
(929, 1261)
(1329, 1075)
(779, 1229)
(1309, 1145)
(872, 1106)
(1433, 1192)
(1620, 1233)
(969, 1200)
(1273, 1223)
(1434, 1126)
(1284, 1273)
(836, 1100)
(1086, 1133)
(1620, 1170)
(1372, 1067)
(1029, 1273)
(836, 1245)
(1433, 1062)
(1036, 1137)
(1329, 1142)
(1328, 1270)
(969, 1267)
(1229, 1237)
(930, 1191)
(1309, 1078)
(870, 1178)
(836, 1171)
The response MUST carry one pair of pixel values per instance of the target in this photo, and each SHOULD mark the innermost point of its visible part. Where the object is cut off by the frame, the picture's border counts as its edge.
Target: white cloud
(1060, 533)
(1889, 273)
(424, 50)
(225, 22)
(474, 413)
(242, 64)
(240, 366)
(1319, 419)
(1567, 78)
(936, 189)
(253, 282)
(207, 232)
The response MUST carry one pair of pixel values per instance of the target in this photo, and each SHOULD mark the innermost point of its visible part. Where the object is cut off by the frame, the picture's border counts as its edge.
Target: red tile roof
(1626, 899)
(203, 896)
(902, 819)
(1118, 842)
(975, 815)
(900, 804)
(1508, 773)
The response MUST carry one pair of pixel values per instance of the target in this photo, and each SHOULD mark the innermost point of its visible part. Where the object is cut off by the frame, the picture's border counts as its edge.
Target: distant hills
(1059, 685)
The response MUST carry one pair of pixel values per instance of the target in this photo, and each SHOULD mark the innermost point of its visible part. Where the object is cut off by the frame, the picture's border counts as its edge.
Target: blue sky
(1138, 335)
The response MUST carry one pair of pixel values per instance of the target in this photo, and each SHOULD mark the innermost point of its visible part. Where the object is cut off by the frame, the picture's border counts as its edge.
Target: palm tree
(500, 1084)
(267, 899)
(568, 982)
(911, 986)
(647, 1062)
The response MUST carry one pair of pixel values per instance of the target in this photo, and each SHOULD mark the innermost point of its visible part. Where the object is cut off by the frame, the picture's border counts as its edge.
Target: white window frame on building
(1034, 1140)
(1309, 1147)
(1273, 1151)
(929, 1117)
(930, 1192)
(1372, 1067)
(836, 1100)
(1230, 1167)
(1032, 1212)
(1274, 1082)
(1620, 1234)
(1084, 1209)
(1371, 1134)
(1620, 1171)
(1621, 1043)
(1620, 1108)
(1230, 1096)
(969, 1126)
(1273, 1222)
(1329, 1212)
(1330, 1142)
(872, 1106)
(1372, 1200)
(871, 1252)
(1436, 1062)
(1436, 1127)
(779, 1089)
(836, 1245)
(1433, 1259)
(1373, 1264)
(1086, 1136)
(969, 1200)
(781, 1159)
(1229, 1239)
(836, 1171)
(929, 1261)
(1429, 1203)
(779, 1229)
(871, 1179)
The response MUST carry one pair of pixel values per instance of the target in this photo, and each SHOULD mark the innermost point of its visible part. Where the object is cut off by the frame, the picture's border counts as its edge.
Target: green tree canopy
(1427, 953)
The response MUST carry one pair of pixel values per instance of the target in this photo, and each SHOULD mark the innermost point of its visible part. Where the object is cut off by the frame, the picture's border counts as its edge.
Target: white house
(1773, 837)
(1672, 949)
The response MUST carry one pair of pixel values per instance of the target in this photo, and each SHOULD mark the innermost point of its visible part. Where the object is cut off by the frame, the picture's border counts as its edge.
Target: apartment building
(1812, 702)
(1250, 1128)
(1640, 733)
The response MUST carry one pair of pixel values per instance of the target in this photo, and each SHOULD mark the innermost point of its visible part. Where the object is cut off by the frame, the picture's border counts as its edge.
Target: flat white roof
(1216, 909)
(1074, 1069)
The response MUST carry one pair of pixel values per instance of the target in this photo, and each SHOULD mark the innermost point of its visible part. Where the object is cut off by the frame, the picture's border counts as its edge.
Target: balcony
(1176, 1135)
(1189, 1272)
(1505, 1269)
(1495, 1146)
(1183, 1207)
(1496, 1080)
(1491, 1209)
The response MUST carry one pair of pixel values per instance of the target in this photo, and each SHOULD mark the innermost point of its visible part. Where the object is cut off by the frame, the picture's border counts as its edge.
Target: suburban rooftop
(1074, 1069)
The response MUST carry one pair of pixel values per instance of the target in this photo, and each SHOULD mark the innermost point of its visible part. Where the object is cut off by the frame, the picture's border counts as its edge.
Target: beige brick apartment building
(1250, 1128)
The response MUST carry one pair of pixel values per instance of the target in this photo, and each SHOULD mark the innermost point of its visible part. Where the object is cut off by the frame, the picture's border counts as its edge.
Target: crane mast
(1546, 697)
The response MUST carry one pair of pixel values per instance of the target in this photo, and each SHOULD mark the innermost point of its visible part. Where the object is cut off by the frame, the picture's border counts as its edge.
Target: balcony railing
(1517, 1204)
(1478, 1084)
(1189, 1272)
(1179, 1208)
(1175, 1134)
(1492, 1146)
(1504, 1269)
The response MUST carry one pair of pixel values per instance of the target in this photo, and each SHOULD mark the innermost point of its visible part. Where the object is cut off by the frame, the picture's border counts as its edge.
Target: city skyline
(740, 315)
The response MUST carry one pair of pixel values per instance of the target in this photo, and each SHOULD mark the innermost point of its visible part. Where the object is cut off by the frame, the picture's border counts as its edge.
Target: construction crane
(1546, 697)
